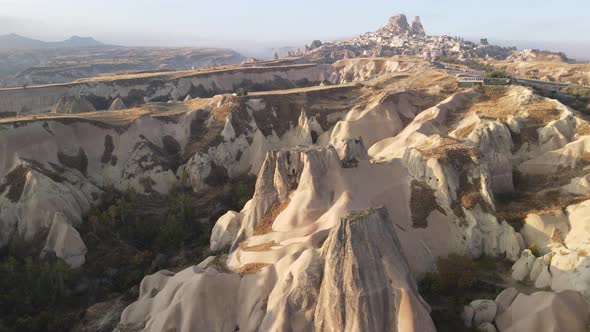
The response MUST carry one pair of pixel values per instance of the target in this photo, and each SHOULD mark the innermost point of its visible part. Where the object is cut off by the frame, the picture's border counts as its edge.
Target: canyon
(380, 194)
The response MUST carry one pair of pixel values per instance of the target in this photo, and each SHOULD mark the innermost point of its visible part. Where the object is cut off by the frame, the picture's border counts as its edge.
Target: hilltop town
(398, 37)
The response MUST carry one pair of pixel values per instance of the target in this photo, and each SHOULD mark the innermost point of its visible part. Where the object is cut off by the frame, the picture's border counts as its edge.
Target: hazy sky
(276, 23)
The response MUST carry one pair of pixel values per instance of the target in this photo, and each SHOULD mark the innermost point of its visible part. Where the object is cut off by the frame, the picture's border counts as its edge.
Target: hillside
(67, 64)
(14, 41)
(356, 181)
(358, 185)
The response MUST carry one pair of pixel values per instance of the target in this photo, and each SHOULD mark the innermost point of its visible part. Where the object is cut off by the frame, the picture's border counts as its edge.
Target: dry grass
(465, 131)
(260, 247)
(117, 118)
(583, 129)
(515, 208)
(265, 226)
(304, 89)
(471, 199)
(251, 268)
(549, 70)
(451, 151)
(499, 104)
(189, 73)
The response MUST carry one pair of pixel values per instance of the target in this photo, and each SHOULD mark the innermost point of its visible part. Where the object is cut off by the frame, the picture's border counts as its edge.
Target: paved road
(519, 80)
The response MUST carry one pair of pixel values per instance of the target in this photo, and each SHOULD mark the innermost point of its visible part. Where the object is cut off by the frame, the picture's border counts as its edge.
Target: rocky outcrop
(367, 284)
(117, 105)
(72, 105)
(381, 118)
(542, 311)
(167, 301)
(416, 27)
(59, 167)
(293, 301)
(564, 264)
(545, 311)
(36, 201)
(397, 25)
(156, 87)
(65, 241)
(295, 293)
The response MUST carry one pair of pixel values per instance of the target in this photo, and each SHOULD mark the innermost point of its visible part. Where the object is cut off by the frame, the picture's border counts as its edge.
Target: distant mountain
(14, 41)
(77, 41)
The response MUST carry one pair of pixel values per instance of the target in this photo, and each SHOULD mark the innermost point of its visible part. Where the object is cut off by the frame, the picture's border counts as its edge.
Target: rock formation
(542, 311)
(397, 37)
(362, 185)
(117, 105)
(416, 27)
(397, 25)
(367, 284)
(72, 105)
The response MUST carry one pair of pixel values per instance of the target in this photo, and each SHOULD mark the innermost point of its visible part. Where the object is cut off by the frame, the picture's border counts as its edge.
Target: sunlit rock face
(359, 280)
(361, 187)
(367, 283)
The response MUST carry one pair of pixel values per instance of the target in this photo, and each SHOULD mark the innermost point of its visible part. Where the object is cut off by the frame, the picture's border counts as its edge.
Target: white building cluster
(400, 38)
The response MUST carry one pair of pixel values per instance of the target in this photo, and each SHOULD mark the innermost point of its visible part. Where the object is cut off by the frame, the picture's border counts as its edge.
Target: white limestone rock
(545, 312)
(467, 315)
(167, 302)
(570, 270)
(510, 242)
(65, 241)
(117, 104)
(292, 302)
(225, 230)
(484, 311)
(366, 284)
(540, 272)
(578, 185)
(505, 298)
(72, 105)
(522, 268)
(253, 296)
(487, 327)
(537, 229)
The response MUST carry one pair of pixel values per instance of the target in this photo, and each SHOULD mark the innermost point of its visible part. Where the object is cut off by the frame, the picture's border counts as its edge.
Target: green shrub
(498, 74)
(430, 283)
(172, 234)
(486, 263)
(242, 92)
(534, 249)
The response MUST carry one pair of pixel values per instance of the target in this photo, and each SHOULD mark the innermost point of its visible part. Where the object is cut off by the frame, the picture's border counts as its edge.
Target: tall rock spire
(397, 25)
(417, 27)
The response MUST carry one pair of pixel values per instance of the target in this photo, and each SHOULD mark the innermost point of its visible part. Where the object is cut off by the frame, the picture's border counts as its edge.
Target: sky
(266, 23)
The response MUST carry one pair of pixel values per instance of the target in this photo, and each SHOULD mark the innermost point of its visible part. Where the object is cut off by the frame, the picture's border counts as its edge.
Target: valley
(352, 186)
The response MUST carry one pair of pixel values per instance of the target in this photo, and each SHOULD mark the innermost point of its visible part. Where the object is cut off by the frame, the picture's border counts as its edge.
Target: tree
(113, 212)
(94, 221)
(498, 74)
(172, 234)
(276, 56)
(242, 92)
(124, 208)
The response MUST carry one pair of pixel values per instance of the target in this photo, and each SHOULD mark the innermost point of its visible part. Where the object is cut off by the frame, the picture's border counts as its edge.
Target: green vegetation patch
(458, 281)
